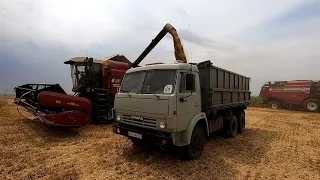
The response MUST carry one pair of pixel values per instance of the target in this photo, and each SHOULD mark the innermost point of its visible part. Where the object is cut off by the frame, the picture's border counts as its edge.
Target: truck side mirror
(90, 61)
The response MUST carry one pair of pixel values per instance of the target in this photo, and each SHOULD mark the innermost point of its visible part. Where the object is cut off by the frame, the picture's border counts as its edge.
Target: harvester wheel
(311, 105)
(274, 104)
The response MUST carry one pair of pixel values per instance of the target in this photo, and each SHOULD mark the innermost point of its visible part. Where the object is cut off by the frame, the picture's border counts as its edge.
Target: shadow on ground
(220, 156)
(49, 134)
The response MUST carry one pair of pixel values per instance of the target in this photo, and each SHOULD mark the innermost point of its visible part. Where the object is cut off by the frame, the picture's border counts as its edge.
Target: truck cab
(156, 93)
(159, 99)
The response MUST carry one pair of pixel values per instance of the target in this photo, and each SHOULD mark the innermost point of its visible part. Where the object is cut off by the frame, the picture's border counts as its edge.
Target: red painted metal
(115, 65)
(77, 109)
(71, 118)
(67, 102)
(113, 71)
(291, 92)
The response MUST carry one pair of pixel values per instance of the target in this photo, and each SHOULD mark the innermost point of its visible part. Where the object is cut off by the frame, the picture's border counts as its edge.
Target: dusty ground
(275, 145)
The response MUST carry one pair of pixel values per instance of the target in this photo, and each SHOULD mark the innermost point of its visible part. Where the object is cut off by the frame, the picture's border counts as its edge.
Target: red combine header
(290, 94)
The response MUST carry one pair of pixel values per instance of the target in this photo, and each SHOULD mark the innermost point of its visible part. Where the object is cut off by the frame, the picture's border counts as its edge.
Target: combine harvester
(95, 83)
(303, 94)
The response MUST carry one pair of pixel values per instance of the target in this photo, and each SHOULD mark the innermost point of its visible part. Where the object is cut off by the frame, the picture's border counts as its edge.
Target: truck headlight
(118, 118)
(162, 124)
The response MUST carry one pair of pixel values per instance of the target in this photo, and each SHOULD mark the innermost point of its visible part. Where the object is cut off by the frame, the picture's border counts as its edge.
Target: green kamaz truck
(180, 104)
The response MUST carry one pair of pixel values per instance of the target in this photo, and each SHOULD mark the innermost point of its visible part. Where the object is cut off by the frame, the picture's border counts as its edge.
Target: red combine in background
(303, 94)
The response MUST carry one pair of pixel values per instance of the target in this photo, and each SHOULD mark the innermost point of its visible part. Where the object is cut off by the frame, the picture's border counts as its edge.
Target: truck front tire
(196, 146)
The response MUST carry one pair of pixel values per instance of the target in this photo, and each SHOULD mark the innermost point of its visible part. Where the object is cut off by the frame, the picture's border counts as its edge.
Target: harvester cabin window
(187, 83)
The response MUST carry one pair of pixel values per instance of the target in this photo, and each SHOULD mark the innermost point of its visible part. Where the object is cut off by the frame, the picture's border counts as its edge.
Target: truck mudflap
(144, 135)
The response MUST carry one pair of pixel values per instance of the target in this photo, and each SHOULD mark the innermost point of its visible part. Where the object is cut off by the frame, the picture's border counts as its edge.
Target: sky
(265, 40)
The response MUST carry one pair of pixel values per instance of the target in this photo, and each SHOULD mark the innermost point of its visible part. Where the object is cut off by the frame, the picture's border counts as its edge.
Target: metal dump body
(221, 88)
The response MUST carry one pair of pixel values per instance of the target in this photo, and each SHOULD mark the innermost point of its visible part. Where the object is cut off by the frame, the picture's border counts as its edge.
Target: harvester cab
(98, 80)
(86, 74)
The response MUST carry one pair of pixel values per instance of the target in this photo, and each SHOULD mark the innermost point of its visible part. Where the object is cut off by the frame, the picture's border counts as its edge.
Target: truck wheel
(311, 105)
(231, 127)
(241, 122)
(196, 146)
(274, 105)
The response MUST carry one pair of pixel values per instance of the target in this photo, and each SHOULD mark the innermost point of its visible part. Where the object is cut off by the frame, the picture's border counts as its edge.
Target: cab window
(187, 83)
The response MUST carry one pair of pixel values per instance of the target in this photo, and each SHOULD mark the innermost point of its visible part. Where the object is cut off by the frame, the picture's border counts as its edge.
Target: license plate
(136, 135)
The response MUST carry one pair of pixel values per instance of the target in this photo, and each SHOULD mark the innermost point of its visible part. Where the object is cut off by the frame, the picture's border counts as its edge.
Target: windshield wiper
(156, 95)
(152, 93)
(126, 91)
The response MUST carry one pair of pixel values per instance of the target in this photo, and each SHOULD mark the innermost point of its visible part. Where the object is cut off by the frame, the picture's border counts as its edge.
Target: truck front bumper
(141, 134)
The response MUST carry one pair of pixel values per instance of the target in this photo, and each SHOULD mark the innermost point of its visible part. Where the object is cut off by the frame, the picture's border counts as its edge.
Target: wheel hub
(312, 106)
(274, 106)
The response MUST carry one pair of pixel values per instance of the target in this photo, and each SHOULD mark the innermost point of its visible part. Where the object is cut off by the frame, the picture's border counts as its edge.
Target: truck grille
(145, 122)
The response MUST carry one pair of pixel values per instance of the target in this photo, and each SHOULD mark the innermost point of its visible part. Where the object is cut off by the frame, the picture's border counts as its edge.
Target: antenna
(190, 40)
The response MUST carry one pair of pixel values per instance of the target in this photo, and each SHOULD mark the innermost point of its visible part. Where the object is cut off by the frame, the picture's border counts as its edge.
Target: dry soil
(276, 145)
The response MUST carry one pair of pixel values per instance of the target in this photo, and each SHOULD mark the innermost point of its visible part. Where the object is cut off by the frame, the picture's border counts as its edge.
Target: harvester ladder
(102, 106)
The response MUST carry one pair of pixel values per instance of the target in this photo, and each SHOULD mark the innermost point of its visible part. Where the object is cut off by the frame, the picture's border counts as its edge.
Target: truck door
(189, 100)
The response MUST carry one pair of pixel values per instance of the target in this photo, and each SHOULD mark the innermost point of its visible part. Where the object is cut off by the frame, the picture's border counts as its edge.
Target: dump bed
(221, 88)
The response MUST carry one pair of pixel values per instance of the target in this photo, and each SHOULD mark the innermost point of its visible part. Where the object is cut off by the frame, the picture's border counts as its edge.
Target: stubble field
(275, 145)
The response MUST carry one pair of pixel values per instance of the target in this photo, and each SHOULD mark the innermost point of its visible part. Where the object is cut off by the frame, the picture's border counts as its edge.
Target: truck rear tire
(231, 127)
(196, 146)
(311, 105)
(241, 122)
(274, 104)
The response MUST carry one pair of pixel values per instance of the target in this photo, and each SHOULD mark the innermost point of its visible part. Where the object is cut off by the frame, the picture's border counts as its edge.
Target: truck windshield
(149, 82)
